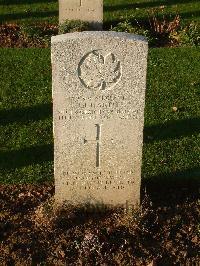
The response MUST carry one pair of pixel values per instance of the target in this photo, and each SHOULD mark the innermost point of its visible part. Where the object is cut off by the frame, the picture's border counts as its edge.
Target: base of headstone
(96, 208)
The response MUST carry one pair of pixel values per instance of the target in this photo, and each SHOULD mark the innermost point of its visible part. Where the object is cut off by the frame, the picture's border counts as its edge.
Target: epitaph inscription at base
(99, 81)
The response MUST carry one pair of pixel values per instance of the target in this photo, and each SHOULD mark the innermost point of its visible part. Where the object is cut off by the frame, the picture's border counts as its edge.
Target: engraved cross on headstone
(98, 141)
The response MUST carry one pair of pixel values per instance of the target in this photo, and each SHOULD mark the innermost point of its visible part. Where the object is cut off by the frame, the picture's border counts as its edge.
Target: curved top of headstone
(100, 35)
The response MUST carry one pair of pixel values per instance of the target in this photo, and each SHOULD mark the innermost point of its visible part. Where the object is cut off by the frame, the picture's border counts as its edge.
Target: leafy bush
(38, 35)
(9, 34)
(73, 25)
(190, 35)
(126, 26)
(159, 29)
(164, 24)
(163, 28)
(39, 30)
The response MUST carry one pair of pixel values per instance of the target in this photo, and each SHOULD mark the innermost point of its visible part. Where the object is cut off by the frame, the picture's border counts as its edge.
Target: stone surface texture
(85, 10)
(99, 81)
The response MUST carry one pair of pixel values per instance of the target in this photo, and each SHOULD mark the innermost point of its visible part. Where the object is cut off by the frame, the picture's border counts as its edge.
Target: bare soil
(33, 233)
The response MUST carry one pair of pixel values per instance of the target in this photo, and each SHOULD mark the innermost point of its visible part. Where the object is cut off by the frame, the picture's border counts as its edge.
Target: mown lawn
(25, 116)
(29, 11)
(171, 141)
(137, 10)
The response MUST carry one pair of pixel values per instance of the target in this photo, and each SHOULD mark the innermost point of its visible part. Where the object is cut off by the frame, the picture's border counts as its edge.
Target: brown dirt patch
(31, 233)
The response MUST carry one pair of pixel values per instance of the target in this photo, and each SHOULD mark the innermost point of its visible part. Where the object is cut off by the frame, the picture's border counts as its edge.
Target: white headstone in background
(99, 81)
(85, 10)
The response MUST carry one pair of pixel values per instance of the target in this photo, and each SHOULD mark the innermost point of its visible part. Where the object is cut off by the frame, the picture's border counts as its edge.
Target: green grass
(171, 152)
(29, 11)
(171, 139)
(25, 116)
(116, 10)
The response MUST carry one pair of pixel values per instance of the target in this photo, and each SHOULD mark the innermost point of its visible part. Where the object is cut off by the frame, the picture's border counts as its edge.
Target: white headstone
(85, 10)
(99, 81)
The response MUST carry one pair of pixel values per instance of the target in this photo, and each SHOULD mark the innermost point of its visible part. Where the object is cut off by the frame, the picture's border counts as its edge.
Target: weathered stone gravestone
(85, 10)
(99, 81)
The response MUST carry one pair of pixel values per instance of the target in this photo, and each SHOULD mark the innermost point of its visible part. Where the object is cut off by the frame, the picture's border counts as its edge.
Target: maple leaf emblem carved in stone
(99, 71)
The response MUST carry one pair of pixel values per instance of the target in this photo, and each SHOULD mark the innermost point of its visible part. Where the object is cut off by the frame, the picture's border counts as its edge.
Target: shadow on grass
(26, 114)
(171, 130)
(162, 189)
(24, 2)
(26, 156)
(143, 20)
(190, 15)
(173, 188)
(149, 4)
(27, 15)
